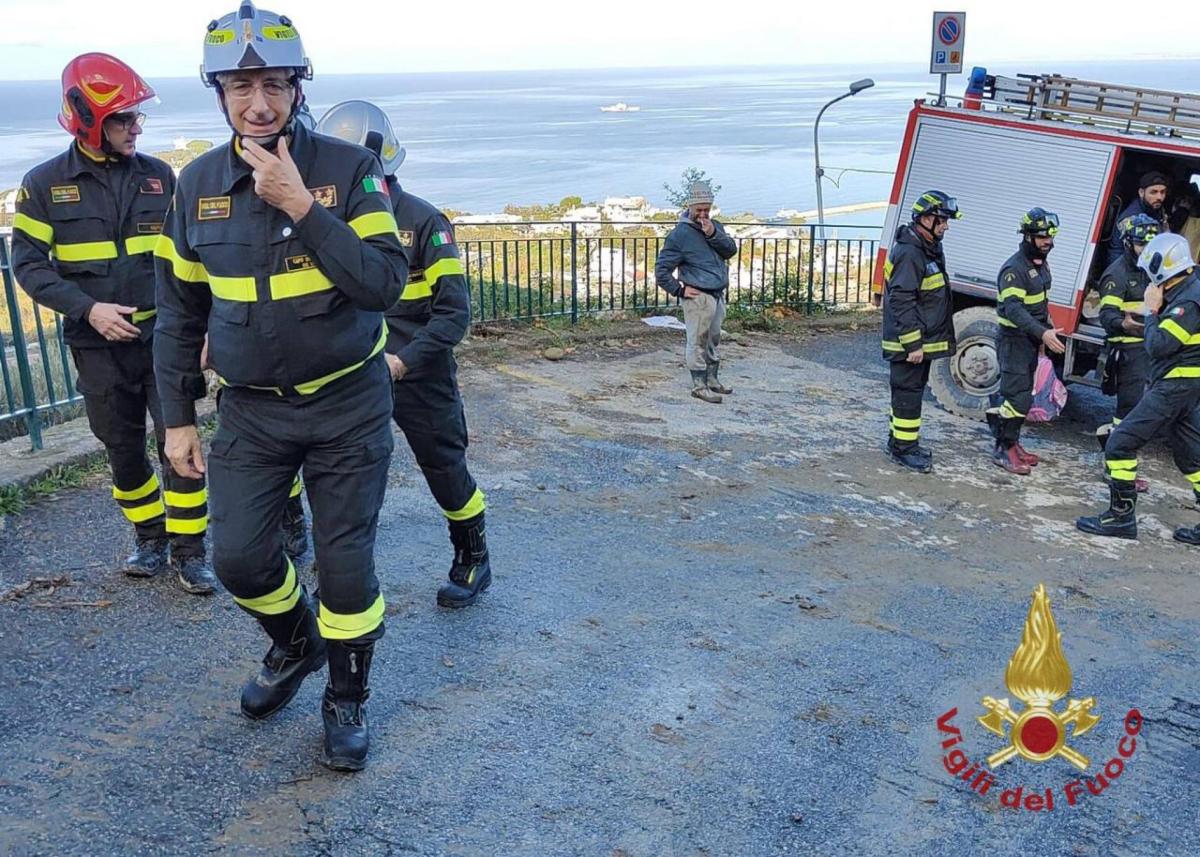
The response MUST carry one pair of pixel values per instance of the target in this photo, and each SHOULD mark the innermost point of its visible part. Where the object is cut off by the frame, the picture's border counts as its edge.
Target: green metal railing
(515, 272)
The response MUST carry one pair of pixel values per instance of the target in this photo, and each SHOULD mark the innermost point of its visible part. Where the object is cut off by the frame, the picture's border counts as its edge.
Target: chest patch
(149, 228)
(325, 196)
(1033, 273)
(64, 193)
(298, 263)
(152, 186)
(406, 237)
(214, 208)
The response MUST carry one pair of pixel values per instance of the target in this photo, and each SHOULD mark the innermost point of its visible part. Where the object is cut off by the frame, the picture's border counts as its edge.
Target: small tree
(678, 195)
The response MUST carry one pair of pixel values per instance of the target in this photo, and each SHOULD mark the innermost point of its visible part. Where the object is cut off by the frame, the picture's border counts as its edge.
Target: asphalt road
(714, 630)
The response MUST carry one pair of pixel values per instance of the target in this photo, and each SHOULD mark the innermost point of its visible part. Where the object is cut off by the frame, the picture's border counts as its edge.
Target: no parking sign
(949, 34)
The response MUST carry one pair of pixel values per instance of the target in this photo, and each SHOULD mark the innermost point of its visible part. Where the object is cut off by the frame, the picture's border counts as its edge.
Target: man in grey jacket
(693, 266)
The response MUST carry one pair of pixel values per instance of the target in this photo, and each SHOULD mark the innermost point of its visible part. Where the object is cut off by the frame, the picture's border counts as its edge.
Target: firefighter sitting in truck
(1151, 201)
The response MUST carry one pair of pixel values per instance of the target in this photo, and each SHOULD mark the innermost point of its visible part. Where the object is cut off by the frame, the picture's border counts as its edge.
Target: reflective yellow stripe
(1194, 478)
(888, 267)
(1004, 322)
(475, 506)
(239, 289)
(1184, 372)
(1035, 299)
(1111, 300)
(348, 626)
(310, 387)
(1124, 340)
(189, 500)
(910, 337)
(280, 600)
(144, 315)
(375, 223)
(88, 251)
(1134, 306)
(1116, 421)
(183, 269)
(297, 487)
(43, 232)
(1011, 292)
(296, 283)
(187, 526)
(138, 514)
(905, 435)
(1123, 475)
(1171, 327)
(137, 493)
(1009, 412)
(935, 281)
(1122, 469)
(892, 345)
(423, 286)
(902, 422)
(141, 244)
(935, 347)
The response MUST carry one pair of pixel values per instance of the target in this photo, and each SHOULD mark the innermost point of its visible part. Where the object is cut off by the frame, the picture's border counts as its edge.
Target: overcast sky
(162, 38)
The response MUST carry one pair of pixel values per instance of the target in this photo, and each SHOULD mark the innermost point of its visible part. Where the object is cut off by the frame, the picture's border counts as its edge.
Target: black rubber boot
(195, 574)
(295, 529)
(149, 557)
(1188, 535)
(471, 572)
(713, 382)
(297, 650)
(994, 422)
(1119, 520)
(700, 388)
(911, 458)
(343, 709)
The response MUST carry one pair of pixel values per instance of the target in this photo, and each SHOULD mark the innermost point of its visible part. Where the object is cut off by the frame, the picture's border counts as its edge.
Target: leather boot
(713, 382)
(911, 458)
(471, 572)
(700, 388)
(297, 650)
(1119, 519)
(1188, 535)
(295, 529)
(149, 557)
(195, 575)
(1008, 458)
(1026, 457)
(343, 708)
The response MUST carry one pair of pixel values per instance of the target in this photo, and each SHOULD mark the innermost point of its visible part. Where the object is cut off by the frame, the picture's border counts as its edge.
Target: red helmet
(95, 86)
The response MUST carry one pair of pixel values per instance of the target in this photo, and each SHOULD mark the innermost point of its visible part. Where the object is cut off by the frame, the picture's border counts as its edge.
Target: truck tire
(963, 383)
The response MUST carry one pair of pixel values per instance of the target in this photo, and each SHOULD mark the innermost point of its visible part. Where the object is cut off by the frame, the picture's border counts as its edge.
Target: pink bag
(1049, 393)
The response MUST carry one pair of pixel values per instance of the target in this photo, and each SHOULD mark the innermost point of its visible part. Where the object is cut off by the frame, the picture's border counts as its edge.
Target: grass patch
(15, 499)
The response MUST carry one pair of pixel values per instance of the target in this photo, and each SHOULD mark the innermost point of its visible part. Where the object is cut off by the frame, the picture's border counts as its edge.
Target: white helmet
(1166, 256)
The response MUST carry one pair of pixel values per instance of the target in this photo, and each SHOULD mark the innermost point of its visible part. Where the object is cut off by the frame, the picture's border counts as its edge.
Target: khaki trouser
(703, 315)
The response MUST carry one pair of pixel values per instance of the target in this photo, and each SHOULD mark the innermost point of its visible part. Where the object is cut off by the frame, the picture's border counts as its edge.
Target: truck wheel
(963, 383)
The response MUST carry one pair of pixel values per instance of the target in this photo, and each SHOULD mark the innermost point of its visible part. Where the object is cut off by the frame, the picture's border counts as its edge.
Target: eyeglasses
(243, 90)
(125, 121)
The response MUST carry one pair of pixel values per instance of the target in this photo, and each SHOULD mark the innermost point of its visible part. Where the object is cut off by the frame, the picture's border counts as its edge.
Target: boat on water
(620, 107)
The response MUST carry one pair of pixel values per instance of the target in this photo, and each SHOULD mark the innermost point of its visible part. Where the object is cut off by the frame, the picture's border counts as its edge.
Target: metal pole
(574, 273)
(942, 92)
(819, 173)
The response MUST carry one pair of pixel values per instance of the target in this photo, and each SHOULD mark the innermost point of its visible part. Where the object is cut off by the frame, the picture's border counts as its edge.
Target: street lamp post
(855, 88)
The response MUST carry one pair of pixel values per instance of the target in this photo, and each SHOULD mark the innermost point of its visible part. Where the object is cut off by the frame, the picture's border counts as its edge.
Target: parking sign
(949, 34)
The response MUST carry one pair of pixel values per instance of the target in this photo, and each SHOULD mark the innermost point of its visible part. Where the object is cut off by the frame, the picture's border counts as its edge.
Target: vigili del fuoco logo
(1036, 729)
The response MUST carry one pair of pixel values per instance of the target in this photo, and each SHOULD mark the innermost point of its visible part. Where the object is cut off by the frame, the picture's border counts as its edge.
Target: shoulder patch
(375, 184)
(326, 196)
(441, 238)
(64, 193)
(1010, 277)
(22, 194)
(406, 237)
(152, 186)
(1033, 272)
(1178, 311)
(214, 208)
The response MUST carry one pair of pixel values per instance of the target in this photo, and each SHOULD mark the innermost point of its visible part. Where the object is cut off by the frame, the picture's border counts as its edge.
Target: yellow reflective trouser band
(1171, 327)
(1122, 470)
(910, 337)
(280, 600)
(297, 487)
(1194, 478)
(186, 500)
(1111, 300)
(90, 251)
(187, 511)
(310, 387)
(349, 626)
(187, 526)
(140, 504)
(240, 289)
(422, 287)
(892, 345)
(144, 315)
(935, 347)
(43, 232)
(296, 283)
(1011, 292)
(141, 244)
(1184, 372)
(1009, 412)
(183, 269)
(935, 281)
(475, 506)
(375, 223)
(139, 493)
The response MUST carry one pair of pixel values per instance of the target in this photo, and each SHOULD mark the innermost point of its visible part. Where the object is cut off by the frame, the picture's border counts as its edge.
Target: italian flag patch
(441, 239)
(375, 184)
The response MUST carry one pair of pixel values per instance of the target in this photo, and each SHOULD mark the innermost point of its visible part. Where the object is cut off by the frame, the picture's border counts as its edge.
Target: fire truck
(1074, 147)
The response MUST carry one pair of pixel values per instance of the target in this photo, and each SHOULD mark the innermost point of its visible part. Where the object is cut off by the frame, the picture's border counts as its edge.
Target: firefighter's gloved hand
(108, 321)
(184, 451)
(277, 180)
(1050, 340)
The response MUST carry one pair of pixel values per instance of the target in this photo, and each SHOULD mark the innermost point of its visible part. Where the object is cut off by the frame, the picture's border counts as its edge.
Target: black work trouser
(342, 437)
(908, 382)
(117, 384)
(428, 409)
(1169, 408)
(1133, 370)
(1018, 356)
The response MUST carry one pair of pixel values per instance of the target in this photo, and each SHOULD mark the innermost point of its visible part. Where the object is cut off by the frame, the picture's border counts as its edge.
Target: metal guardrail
(515, 271)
